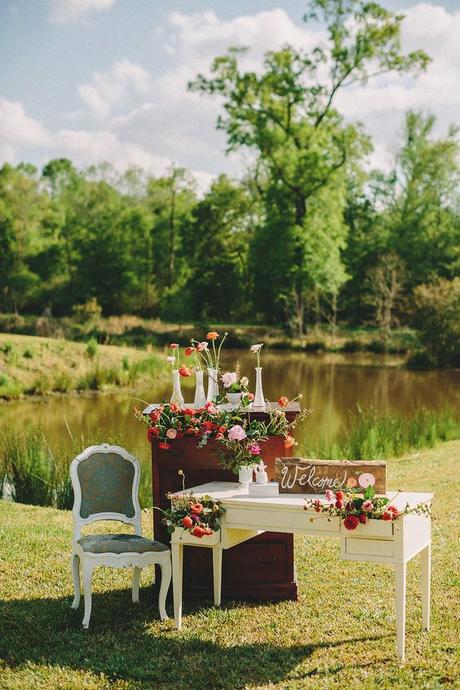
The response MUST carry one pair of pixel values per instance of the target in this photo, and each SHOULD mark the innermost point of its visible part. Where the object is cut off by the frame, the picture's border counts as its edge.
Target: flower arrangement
(359, 503)
(199, 517)
(234, 383)
(239, 437)
(210, 355)
(255, 349)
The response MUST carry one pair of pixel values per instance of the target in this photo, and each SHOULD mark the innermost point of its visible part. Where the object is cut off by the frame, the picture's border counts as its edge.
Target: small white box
(270, 489)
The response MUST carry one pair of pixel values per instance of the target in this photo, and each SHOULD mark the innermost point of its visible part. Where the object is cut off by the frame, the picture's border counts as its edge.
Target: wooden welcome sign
(303, 476)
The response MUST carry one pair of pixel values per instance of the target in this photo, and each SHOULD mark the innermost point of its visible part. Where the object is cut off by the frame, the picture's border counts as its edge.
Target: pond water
(332, 385)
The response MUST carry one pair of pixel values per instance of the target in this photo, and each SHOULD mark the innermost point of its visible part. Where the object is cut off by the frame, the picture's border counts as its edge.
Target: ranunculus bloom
(173, 346)
(171, 433)
(329, 495)
(283, 401)
(188, 410)
(387, 516)
(254, 449)
(250, 396)
(196, 508)
(229, 378)
(339, 495)
(363, 518)
(367, 506)
(152, 433)
(393, 510)
(164, 446)
(174, 407)
(184, 371)
(189, 351)
(351, 482)
(236, 433)
(202, 346)
(187, 521)
(212, 335)
(289, 441)
(351, 522)
(219, 436)
(366, 479)
(198, 531)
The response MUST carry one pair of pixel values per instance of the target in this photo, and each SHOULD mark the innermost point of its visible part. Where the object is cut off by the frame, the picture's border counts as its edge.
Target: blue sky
(98, 80)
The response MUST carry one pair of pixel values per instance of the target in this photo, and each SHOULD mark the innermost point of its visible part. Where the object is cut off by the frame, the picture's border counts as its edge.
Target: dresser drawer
(376, 548)
(255, 563)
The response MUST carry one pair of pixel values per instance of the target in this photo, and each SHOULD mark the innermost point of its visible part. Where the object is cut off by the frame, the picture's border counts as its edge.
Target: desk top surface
(227, 407)
(235, 494)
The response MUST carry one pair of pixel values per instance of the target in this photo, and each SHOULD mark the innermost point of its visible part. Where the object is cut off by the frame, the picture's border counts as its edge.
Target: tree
(287, 115)
(437, 318)
(385, 284)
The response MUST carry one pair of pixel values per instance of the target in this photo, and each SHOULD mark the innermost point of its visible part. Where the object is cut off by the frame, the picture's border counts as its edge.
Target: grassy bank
(134, 331)
(340, 634)
(33, 365)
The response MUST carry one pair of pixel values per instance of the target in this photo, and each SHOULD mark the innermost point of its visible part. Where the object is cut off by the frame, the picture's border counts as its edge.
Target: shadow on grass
(127, 641)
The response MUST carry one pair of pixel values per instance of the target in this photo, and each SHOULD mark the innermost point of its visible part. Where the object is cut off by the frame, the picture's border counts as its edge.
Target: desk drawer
(376, 548)
(279, 520)
(255, 563)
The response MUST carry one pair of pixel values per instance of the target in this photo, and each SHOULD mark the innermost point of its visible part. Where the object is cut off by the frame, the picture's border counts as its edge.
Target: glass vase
(176, 396)
(259, 400)
(200, 395)
(213, 388)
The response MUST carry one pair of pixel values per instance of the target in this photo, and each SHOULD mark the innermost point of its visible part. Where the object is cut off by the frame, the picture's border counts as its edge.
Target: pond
(332, 385)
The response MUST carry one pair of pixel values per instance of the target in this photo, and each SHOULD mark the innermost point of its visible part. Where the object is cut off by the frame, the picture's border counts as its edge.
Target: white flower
(256, 348)
(244, 381)
(229, 378)
(366, 479)
(171, 359)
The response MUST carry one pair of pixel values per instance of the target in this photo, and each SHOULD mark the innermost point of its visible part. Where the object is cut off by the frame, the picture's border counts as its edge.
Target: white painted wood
(184, 536)
(369, 547)
(217, 573)
(89, 561)
(400, 583)
(425, 558)
(177, 552)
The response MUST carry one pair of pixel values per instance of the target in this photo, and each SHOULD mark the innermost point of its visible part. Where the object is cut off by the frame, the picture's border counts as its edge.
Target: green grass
(340, 634)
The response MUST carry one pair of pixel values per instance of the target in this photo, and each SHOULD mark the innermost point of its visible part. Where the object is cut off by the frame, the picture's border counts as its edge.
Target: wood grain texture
(311, 476)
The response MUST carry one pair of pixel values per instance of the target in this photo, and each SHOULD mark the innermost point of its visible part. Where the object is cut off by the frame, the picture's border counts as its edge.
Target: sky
(106, 80)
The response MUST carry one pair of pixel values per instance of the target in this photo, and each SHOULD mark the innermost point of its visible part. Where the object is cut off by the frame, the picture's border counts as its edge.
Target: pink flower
(236, 433)
(254, 449)
(171, 433)
(202, 346)
(366, 479)
(329, 495)
(229, 378)
(367, 506)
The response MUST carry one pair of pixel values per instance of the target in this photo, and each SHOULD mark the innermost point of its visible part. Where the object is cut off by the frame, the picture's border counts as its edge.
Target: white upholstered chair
(105, 481)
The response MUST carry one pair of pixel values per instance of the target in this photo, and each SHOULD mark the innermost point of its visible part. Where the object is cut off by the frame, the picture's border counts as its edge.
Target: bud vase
(213, 388)
(245, 474)
(259, 400)
(176, 396)
(200, 396)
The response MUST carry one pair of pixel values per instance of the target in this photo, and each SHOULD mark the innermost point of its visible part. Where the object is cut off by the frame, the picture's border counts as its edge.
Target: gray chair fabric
(106, 481)
(119, 543)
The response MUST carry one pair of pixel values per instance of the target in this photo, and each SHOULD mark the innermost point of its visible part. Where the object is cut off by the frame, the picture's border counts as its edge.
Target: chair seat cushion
(119, 543)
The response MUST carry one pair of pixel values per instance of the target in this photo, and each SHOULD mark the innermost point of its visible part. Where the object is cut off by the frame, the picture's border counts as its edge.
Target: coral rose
(351, 522)
(198, 531)
(187, 521)
(196, 508)
(184, 371)
(174, 407)
(212, 335)
(283, 401)
(339, 495)
(351, 482)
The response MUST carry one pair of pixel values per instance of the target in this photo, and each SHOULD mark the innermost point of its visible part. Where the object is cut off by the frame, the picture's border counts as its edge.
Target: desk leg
(217, 573)
(177, 554)
(425, 558)
(400, 581)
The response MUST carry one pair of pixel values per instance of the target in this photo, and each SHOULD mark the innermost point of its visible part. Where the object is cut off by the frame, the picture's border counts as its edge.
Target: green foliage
(92, 348)
(437, 318)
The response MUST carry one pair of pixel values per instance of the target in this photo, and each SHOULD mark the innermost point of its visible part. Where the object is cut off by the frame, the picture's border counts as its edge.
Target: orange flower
(185, 371)
(351, 482)
(196, 508)
(289, 442)
(212, 335)
(189, 351)
(283, 401)
(174, 407)
(173, 346)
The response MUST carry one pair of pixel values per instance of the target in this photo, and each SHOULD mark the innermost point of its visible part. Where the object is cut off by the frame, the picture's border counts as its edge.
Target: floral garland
(240, 437)
(359, 504)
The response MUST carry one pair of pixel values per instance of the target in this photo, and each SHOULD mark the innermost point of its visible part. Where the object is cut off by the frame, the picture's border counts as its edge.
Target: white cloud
(17, 128)
(113, 88)
(67, 11)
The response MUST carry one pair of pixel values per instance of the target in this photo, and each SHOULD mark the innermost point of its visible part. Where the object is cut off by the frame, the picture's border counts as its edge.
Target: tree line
(308, 236)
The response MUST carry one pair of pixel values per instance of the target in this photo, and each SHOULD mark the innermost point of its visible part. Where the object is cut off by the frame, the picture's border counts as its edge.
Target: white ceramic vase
(259, 400)
(200, 395)
(245, 474)
(213, 388)
(234, 398)
(176, 396)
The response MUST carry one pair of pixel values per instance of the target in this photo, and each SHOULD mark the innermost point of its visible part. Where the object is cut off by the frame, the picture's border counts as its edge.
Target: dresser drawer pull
(264, 561)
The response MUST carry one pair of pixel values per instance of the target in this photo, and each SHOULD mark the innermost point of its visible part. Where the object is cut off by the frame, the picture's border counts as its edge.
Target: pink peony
(171, 433)
(366, 479)
(367, 506)
(236, 433)
(229, 378)
(254, 449)
(329, 495)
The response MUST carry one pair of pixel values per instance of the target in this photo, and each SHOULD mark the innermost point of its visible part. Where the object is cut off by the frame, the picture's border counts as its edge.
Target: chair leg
(136, 576)
(165, 582)
(76, 580)
(87, 575)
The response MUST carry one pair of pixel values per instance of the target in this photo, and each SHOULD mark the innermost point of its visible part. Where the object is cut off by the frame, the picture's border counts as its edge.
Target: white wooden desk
(377, 541)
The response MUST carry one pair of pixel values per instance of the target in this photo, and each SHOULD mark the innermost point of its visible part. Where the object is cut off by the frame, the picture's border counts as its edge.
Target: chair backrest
(105, 481)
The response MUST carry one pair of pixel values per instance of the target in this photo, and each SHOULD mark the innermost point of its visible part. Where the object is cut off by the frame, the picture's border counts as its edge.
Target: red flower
(188, 410)
(338, 504)
(207, 425)
(185, 371)
(187, 521)
(164, 446)
(189, 351)
(393, 510)
(283, 401)
(155, 415)
(387, 516)
(339, 495)
(222, 429)
(351, 522)
(350, 506)
(219, 436)
(152, 432)
(173, 346)
(363, 518)
(198, 531)
(174, 407)
(196, 508)
(317, 505)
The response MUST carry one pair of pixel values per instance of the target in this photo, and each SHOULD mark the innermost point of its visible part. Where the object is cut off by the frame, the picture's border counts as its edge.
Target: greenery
(309, 238)
(47, 365)
(334, 636)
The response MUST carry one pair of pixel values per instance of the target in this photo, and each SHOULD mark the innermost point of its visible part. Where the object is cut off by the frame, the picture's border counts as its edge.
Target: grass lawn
(340, 634)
